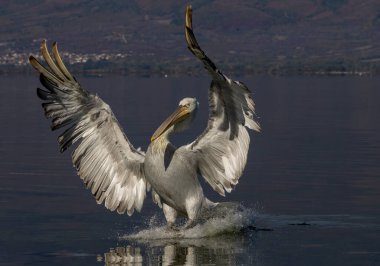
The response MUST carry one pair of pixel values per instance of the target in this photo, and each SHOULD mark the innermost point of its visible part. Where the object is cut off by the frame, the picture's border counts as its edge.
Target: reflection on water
(122, 256)
(220, 236)
(280, 236)
(224, 250)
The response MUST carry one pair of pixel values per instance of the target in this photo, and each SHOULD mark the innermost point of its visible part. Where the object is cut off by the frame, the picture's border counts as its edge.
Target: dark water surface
(313, 176)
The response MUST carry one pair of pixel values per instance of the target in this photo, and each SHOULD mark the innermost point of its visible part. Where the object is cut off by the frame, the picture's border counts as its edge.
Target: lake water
(311, 186)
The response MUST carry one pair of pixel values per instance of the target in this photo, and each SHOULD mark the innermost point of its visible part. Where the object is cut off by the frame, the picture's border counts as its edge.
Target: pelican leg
(193, 208)
(189, 224)
(170, 215)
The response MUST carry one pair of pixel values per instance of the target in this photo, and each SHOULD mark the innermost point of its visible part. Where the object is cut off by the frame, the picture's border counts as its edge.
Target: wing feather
(222, 148)
(110, 167)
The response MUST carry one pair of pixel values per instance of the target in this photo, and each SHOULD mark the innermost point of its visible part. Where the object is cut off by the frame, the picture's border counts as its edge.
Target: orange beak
(179, 115)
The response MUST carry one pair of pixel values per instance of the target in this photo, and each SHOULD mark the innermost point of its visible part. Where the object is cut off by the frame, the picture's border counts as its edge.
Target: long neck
(162, 141)
(159, 144)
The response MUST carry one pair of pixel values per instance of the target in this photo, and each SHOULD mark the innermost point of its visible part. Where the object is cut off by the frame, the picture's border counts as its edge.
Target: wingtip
(43, 45)
(189, 28)
(55, 49)
(188, 8)
(31, 59)
(60, 63)
(189, 17)
(55, 46)
(34, 62)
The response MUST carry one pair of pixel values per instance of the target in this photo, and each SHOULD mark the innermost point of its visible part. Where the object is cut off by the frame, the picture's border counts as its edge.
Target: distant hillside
(276, 36)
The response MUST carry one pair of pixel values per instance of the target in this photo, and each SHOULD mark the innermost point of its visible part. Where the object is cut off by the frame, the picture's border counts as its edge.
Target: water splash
(226, 218)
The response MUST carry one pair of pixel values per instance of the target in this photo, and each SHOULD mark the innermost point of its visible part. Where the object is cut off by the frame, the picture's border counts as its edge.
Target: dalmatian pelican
(119, 175)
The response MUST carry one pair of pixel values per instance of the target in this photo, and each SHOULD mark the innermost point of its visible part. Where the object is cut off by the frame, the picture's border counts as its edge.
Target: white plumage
(118, 175)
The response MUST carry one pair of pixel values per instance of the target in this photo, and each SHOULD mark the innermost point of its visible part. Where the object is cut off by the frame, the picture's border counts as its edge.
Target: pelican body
(117, 174)
(172, 174)
(172, 171)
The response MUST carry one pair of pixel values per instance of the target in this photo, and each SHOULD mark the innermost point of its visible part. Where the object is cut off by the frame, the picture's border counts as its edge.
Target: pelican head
(180, 119)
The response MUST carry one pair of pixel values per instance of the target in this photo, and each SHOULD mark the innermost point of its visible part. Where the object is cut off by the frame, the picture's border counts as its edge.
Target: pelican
(119, 175)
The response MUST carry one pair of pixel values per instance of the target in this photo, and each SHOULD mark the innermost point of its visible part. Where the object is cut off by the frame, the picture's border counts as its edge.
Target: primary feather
(222, 148)
(105, 160)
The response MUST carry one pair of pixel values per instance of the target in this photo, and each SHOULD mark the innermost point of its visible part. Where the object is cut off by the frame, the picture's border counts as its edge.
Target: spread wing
(222, 148)
(105, 159)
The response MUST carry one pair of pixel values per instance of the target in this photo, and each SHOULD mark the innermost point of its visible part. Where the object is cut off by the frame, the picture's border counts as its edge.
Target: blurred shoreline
(243, 38)
(100, 68)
